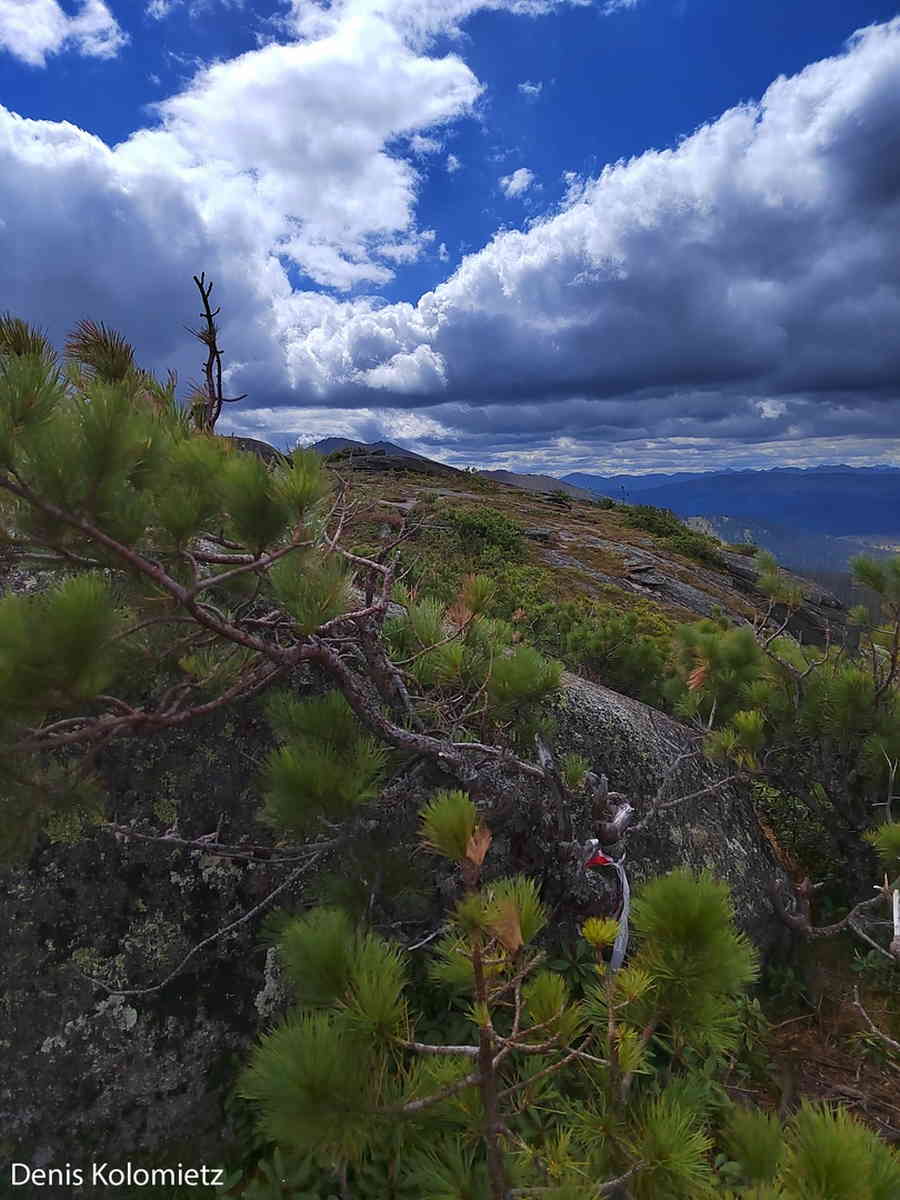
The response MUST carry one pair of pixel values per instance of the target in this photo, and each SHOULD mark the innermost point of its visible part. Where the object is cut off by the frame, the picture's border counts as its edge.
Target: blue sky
(551, 236)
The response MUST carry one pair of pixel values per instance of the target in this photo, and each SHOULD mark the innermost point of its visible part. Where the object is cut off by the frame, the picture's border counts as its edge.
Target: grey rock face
(819, 617)
(647, 756)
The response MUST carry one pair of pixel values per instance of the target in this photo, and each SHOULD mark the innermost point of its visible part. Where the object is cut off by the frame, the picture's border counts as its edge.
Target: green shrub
(520, 678)
(695, 545)
(674, 534)
(886, 840)
(661, 522)
(355, 1071)
(519, 587)
(485, 534)
(326, 766)
(451, 651)
(626, 651)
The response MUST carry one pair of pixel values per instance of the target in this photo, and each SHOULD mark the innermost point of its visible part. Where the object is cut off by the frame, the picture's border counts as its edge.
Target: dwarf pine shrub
(544, 1093)
(456, 651)
(827, 716)
(626, 651)
(485, 533)
(674, 534)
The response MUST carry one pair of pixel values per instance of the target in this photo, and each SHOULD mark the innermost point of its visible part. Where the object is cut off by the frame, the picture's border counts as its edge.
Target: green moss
(165, 809)
(110, 971)
(155, 941)
(66, 827)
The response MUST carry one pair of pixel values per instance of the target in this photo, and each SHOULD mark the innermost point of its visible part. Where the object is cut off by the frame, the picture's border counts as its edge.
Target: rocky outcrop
(707, 590)
(655, 764)
(143, 1076)
(820, 616)
(82, 1070)
(381, 461)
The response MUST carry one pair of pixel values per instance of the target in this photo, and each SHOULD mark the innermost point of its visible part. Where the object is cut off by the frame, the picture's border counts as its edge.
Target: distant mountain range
(811, 519)
(793, 548)
(837, 501)
(330, 444)
(538, 483)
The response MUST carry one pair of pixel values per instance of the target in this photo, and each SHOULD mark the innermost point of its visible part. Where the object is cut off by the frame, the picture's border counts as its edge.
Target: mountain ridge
(836, 502)
(329, 445)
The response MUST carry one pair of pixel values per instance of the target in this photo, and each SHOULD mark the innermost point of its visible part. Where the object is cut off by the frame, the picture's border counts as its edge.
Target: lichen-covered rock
(84, 1070)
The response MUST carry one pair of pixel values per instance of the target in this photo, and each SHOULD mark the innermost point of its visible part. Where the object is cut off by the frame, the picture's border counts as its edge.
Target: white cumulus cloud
(419, 21)
(324, 192)
(418, 373)
(30, 30)
(158, 9)
(517, 183)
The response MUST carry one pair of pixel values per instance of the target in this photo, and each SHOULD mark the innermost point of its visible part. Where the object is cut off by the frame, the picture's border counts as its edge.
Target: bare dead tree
(208, 399)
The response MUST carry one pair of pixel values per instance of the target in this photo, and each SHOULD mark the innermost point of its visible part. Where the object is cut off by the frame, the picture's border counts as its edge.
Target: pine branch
(139, 723)
(487, 1082)
(570, 1056)
(243, 850)
(802, 923)
(411, 1107)
(426, 1048)
(250, 564)
(879, 1033)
